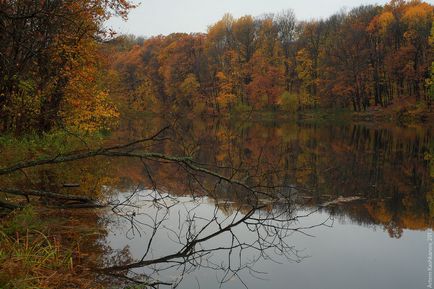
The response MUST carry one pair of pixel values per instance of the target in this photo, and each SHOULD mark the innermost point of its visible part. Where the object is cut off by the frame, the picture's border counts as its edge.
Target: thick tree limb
(113, 152)
(50, 195)
(75, 156)
(9, 206)
(124, 150)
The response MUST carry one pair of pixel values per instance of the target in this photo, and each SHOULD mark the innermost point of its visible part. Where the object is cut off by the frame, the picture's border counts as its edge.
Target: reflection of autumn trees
(309, 163)
(384, 165)
(92, 178)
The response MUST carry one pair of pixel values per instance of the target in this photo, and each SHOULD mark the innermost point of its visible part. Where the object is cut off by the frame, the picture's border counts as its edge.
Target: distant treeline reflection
(389, 169)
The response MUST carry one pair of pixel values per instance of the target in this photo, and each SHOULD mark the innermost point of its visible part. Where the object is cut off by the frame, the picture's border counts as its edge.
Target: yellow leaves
(385, 19)
(56, 48)
(190, 85)
(221, 76)
(381, 23)
(225, 97)
(226, 100)
(304, 68)
(86, 106)
(243, 25)
(144, 97)
(418, 18)
(91, 114)
(219, 29)
(360, 56)
(288, 102)
(418, 13)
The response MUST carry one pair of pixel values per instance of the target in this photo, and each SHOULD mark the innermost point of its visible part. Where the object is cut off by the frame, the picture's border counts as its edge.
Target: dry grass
(34, 255)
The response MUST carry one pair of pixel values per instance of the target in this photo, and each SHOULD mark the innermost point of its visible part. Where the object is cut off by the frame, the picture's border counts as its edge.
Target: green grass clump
(27, 261)
(31, 256)
(21, 221)
(32, 146)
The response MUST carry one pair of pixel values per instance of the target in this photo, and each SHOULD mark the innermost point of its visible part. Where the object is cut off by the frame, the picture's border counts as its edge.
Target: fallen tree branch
(124, 150)
(187, 162)
(50, 195)
(75, 156)
(9, 206)
(79, 206)
(341, 200)
(113, 152)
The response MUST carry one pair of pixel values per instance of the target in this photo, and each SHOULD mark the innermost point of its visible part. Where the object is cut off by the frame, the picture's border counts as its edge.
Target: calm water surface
(344, 255)
(339, 206)
(375, 237)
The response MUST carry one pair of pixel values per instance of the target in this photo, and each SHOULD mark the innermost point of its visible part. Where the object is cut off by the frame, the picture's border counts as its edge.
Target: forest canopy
(369, 56)
(61, 67)
(50, 65)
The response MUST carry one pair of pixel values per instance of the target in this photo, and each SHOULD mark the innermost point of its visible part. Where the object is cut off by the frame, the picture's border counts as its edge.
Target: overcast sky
(154, 17)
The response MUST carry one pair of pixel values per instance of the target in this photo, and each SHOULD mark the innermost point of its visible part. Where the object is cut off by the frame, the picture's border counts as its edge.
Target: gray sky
(154, 17)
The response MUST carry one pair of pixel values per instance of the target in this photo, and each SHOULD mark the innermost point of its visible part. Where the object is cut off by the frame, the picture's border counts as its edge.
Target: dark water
(324, 206)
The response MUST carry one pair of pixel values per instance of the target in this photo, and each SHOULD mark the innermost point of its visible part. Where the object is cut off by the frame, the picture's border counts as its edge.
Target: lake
(263, 204)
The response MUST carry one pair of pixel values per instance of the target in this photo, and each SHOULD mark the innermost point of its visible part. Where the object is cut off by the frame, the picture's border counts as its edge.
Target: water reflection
(265, 247)
(174, 224)
(173, 238)
(387, 166)
(385, 170)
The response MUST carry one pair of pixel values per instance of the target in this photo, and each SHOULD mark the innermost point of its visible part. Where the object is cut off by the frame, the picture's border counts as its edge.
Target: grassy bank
(34, 146)
(43, 249)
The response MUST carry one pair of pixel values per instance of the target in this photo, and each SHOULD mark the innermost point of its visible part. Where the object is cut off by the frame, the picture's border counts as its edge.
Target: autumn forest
(60, 67)
(369, 56)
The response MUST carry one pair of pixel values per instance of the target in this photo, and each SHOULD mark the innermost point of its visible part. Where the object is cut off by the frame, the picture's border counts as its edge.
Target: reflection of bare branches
(249, 234)
(257, 228)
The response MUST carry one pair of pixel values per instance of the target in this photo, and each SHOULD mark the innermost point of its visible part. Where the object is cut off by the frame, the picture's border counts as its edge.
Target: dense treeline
(371, 55)
(54, 72)
(49, 63)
